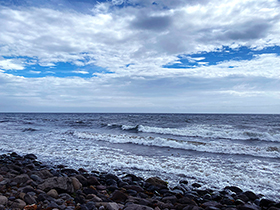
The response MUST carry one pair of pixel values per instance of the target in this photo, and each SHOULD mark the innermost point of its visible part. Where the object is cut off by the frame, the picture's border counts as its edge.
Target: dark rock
(80, 199)
(111, 176)
(36, 178)
(183, 182)
(273, 208)
(211, 204)
(17, 204)
(134, 187)
(12, 198)
(93, 181)
(53, 205)
(44, 174)
(266, 203)
(61, 184)
(88, 191)
(248, 207)
(29, 199)
(90, 205)
(111, 182)
(137, 207)
(83, 180)
(27, 189)
(237, 190)
(131, 192)
(44, 196)
(69, 171)
(196, 185)
(252, 196)
(157, 182)
(21, 179)
(30, 156)
(118, 196)
(170, 199)
(186, 200)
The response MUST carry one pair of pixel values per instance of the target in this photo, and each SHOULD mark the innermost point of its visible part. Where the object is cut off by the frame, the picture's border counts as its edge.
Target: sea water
(215, 150)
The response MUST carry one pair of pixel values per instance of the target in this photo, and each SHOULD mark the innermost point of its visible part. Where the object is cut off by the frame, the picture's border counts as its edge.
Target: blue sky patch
(215, 57)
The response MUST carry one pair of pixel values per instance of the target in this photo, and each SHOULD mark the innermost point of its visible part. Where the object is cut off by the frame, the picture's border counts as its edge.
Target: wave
(221, 147)
(207, 131)
(29, 130)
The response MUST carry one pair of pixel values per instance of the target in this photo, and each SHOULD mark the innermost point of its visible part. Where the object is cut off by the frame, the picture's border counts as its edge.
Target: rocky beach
(26, 183)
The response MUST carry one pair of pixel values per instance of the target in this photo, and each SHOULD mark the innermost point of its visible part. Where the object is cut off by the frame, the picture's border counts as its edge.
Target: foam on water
(260, 176)
(211, 131)
(221, 146)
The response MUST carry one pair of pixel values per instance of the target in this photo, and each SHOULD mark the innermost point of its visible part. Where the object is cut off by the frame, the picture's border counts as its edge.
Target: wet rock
(237, 190)
(30, 156)
(62, 184)
(118, 196)
(266, 203)
(18, 203)
(157, 182)
(93, 181)
(196, 185)
(137, 207)
(3, 200)
(252, 196)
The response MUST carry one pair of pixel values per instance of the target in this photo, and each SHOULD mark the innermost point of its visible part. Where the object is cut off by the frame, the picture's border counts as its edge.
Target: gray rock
(170, 199)
(44, 174)
(137, 207)
(3, 200)
(21, 179)
(36, 178)
(53, 193)
(29, 199)
(112, 206)
(58, 183)
(18, 203)
(248, 207)
(76, 183)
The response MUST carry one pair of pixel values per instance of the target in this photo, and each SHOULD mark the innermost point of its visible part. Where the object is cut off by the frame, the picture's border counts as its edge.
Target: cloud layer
(122, 48)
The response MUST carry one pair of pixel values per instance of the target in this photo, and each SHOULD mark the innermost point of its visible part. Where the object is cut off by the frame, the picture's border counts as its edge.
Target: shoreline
(26, 183)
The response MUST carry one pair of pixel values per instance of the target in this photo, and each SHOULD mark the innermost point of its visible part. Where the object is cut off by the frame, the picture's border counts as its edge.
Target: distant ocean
(215, 150)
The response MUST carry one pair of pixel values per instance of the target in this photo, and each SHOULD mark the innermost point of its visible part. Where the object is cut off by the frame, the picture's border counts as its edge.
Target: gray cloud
(154, 23)
(249, 30)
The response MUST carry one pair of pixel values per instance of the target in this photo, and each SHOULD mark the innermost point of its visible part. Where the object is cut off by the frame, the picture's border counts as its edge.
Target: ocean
(215, 150)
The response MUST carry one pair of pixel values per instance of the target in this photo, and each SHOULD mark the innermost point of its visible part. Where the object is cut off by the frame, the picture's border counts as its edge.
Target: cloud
(11, 64)
(156, 23)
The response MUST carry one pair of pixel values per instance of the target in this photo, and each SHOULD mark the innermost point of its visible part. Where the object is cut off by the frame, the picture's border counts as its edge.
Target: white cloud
(11, 64)
(80, 72)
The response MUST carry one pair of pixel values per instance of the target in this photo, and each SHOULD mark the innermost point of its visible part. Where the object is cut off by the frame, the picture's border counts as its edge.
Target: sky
(153, 56)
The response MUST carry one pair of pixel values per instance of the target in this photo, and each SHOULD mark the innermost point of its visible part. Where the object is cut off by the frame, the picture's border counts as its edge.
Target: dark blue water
(216, 150)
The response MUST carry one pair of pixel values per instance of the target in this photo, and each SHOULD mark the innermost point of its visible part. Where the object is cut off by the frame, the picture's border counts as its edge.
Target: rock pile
(26, 183)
